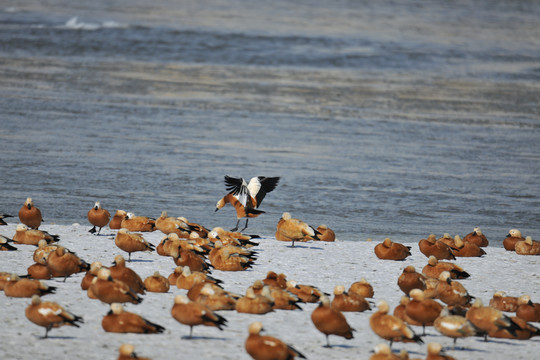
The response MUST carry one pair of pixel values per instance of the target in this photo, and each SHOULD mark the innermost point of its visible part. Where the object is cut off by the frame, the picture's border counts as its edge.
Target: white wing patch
(254, 186)
(451, 326)
(48, 311)
(270, 343)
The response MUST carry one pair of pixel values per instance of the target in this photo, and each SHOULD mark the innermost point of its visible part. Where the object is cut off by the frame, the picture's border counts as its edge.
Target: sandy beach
(322, 264)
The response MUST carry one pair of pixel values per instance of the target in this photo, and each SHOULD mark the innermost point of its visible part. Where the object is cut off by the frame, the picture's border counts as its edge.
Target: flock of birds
(434, 297)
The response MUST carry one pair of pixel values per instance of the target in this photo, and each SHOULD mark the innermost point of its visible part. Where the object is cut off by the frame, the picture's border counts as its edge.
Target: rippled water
(383, 119)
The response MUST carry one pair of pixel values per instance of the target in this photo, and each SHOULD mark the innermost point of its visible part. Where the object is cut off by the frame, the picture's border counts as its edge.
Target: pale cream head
(383, 349)
(286, 216)
(515, 233)
(126, 349)
(383, 306)
(434, 348)
(36, 300)
(387, 242)
(117, 308)
(255, 328)
(523, 299)
(181, 299)
(417, 294)
(444, 276)
(432, 260)
(339, 290)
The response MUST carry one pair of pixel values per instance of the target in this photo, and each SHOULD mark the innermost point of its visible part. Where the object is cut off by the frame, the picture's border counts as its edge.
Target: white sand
(321, 264)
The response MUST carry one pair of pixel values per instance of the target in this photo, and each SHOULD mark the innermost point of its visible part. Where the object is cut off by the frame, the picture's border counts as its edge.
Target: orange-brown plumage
(117, 320)
(330, 321)
(432, 247)
(50, 315)
(192, 314)
(388, 250)
(261, 347)
(30, 215)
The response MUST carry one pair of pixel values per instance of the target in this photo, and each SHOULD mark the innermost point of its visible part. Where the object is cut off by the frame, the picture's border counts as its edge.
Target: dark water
(388, 118)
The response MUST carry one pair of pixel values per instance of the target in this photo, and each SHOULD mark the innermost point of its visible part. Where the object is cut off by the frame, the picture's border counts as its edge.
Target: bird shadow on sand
(304, 247)
(502, 342)
(105, 235)
(186, 337)
(342, 346)
(52, 337)
(140, 261)
(462, 348)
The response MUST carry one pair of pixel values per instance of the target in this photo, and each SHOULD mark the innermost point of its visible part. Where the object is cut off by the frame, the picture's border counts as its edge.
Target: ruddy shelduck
(192, 314)
(263, 347)
(116, 220)
(411, 279)
(290, 229)
(90, 275)
(42, 252)
(187, 278)
(306, 293)
(362, 288)
(134, 222)
(383, 352)
(435, 352)
(109, 290)
(466, 249)
(50, 315)
(246, 198)
(388, 250)
(127, 352)
(399, 311)
(434, 268)
(528, 247)
(476, 237)
(157, 283)
(390, 327)
(422, 310)
(274, 279)
(131, 242)
(327, 234)
(24, 235)
(504, 303)
(216, 298)
(527, 310)
(66, 263)
(119, 271)
(509, 242)
(454, 326)
(30, 215)
(330, 321)
(431, 246)
(487, 319)
(98, 217)
(5, 245)
(254, 304)
(39, 272)
(520, 330)
(344, 301)
(169, 224)
(184, 257)
(2, 217)
(119, 321)
(452, 292)
(22, 287)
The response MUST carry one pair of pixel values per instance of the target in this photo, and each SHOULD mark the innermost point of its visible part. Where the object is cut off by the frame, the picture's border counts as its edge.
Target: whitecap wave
(75, 24)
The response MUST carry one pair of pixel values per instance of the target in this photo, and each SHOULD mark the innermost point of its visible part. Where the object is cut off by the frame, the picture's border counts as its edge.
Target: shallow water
(394, 119)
